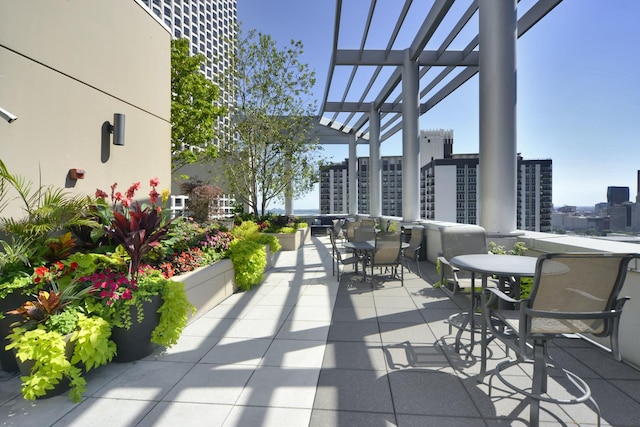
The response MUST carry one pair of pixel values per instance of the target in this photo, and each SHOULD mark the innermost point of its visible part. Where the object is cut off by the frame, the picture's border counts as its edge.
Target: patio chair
(415, 245)
(462, 240)
(349, 227)
(459, 240)
(386, 253)
(363, 234)
(338, 230)
(572, 293)
(338, 258)
(368, 222)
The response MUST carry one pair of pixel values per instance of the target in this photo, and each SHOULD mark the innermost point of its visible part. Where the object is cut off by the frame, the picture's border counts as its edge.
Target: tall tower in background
(435, 144)
(211, 27)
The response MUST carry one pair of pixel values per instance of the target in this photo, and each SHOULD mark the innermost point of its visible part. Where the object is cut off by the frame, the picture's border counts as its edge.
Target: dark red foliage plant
(138, 232)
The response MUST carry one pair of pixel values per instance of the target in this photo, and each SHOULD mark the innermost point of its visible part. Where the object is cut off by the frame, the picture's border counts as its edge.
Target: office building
(617, 195)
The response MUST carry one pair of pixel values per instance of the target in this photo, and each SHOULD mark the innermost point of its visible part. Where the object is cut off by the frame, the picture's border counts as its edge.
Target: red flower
(101, 194)
(153, 196)
(132, 190)
(154, 182)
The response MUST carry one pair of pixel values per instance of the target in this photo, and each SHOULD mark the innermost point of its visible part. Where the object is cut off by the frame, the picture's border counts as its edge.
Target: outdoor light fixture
(7, 115)
(117, 129)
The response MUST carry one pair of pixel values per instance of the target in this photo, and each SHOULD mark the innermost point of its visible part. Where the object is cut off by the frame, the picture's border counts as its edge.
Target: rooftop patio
(302, 349)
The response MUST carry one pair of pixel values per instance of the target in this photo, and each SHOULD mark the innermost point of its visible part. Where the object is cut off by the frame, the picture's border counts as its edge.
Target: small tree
(193, 109)
(273, 156)
(201, 197)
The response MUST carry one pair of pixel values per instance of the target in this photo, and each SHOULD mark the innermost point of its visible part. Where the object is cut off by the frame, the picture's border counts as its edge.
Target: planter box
(207, 286)
(288, 241)
(305, 235)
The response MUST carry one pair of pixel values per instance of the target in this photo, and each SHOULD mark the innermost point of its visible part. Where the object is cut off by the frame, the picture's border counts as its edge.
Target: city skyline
(577, 95)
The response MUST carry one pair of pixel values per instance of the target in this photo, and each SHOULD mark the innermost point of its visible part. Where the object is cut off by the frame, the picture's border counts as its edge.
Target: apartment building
(334, 188)
(449, 185)
(450, 191)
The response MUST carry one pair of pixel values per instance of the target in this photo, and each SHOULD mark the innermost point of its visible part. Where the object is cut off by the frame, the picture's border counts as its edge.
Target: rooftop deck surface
(302, 349)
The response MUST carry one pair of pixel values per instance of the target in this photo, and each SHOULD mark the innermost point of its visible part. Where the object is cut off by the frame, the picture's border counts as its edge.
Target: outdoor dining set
(566, 295)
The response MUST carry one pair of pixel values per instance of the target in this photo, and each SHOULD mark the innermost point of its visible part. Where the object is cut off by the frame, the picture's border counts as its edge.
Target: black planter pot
(11, 302)
(135, 343)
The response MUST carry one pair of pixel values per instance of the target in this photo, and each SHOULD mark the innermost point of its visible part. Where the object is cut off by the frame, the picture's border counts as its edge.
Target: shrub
(249, 259)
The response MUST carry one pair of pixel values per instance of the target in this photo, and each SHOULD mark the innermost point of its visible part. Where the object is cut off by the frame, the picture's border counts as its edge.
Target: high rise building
(334, 188)
(450, 191)
(211, 27)
(391, 180)
(617, 195)
(449, 185)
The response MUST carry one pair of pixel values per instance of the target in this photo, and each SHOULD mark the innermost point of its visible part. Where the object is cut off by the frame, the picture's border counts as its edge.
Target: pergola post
(498, 144)
(375, 168)
(410, 140)
(353, 176)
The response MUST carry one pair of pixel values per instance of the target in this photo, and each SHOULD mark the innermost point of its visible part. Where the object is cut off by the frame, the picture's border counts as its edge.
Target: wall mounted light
(117, 129)
(76, 174)
(7, 115)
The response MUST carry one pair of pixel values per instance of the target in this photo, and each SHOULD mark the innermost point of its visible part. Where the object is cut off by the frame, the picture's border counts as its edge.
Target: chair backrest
(337, 229)
(335, 250)
(368, 222)
(349, 227)
(387, 249)
(576, 293)
(363, 233)
(463, 240)
(415, 243)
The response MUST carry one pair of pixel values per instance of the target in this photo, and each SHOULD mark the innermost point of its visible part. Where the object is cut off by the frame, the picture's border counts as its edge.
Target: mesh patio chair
(462, 240)
(459, 240)
(368, 222)
(572, 293)
(349, 227)
(339, 258)
(338, 230)
(363, 234)
(387, 253)
(415, 245)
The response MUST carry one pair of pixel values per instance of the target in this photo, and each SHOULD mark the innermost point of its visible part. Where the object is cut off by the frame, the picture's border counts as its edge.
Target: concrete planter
(207, 286)
(305, 235)
(288, 241)
(271, 258)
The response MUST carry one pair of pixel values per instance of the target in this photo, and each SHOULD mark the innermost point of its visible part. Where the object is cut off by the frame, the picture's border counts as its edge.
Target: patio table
(367, 247)
(489, 265)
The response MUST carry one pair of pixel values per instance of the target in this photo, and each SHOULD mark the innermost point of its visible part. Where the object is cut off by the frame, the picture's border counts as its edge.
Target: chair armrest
(498, 293)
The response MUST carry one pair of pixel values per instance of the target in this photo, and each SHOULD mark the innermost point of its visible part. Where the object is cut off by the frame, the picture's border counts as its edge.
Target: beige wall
(65, 68)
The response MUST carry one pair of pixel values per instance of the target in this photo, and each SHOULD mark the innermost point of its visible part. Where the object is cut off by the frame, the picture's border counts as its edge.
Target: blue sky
(578, 89)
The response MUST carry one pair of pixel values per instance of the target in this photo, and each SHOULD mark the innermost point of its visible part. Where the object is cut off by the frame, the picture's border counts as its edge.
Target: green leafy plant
(44, 349)
(47, 350)
(93, 347)
(173, 311)
(249, 261)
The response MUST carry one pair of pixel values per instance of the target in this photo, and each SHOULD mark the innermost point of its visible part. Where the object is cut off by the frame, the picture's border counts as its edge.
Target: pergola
(407, 81)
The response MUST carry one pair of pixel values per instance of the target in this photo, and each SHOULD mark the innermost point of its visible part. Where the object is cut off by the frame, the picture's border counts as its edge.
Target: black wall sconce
(117, 129)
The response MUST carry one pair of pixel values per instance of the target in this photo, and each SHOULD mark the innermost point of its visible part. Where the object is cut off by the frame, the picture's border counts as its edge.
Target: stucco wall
(65, 68)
